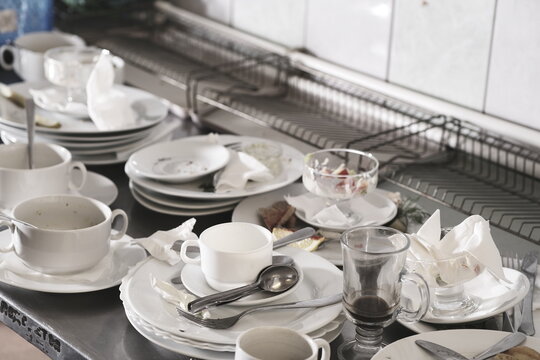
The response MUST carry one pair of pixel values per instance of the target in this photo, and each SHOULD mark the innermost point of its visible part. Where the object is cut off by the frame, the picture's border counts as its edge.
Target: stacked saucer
(158, 321)
(179, 177)
(80, 135)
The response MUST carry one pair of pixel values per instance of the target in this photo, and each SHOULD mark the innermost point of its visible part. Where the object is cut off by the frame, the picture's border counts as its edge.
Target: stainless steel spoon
(274, 278)
(3, 216)
(30, 107)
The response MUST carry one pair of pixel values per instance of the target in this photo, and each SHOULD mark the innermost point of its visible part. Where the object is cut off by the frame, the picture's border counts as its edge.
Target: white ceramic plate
(466, 342)
(179, 161)
(170, 210)
(148, 110)
(193, 279)
(374, 209)
(205, 350)
(183, 203)
(107, 273)
(494, 297)
(97, 187)
(320, 279)
(291, 159)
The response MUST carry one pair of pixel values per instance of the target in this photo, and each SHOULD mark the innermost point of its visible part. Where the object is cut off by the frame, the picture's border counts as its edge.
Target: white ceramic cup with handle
(231, 254)
(71, 233)
(52, 173)
(274, 342)
(25, 56)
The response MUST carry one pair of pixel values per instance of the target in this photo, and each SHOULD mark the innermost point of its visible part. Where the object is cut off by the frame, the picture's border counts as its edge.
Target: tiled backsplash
(480, 54)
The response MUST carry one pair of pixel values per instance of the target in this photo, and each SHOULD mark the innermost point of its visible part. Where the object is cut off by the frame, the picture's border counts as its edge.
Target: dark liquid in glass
(370, 309)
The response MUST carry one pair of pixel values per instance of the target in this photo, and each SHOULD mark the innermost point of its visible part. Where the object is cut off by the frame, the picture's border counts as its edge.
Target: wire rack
(446, 159)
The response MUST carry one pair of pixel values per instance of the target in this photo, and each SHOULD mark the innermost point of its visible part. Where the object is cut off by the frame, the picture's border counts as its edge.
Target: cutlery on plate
(528, 267)
(442, 352)
(273, 278)
(225, 323)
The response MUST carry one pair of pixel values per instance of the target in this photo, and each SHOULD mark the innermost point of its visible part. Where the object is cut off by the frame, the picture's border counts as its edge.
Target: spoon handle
(29, 106)
(223, 297)
(294, 237)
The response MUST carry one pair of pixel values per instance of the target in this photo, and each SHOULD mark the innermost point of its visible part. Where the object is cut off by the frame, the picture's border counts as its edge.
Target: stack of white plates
(178, 192)
(158, 321)
(82, 138)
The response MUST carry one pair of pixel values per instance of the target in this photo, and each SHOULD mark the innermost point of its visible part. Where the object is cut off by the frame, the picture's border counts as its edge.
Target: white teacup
(27, 52)
(72, 233)
(232, 254)
(51, 174)
(274, 342)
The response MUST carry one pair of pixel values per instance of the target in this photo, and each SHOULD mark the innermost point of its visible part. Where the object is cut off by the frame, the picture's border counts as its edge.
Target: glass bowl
(340, 174)
(445, 278)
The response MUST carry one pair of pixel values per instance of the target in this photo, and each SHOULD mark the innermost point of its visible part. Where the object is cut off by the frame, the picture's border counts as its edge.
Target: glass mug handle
(11, 227)
(183, 252)
(412, 315)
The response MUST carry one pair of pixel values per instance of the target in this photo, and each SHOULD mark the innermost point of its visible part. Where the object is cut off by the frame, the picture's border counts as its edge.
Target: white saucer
(170, 210)
(97, 187)
(466, 342)
(494, 297)
(373, 209)
(179, 161)
(107, 273)
(193, 279)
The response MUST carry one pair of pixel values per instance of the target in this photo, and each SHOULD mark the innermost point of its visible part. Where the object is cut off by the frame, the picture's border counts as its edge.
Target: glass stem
(369, 338)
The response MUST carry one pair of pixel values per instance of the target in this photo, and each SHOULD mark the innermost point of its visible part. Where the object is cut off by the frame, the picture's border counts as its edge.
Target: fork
(236, 146)
(225, 323)
(511, 260)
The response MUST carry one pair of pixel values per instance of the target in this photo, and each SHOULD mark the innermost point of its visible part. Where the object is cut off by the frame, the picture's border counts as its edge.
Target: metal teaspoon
(274, 278)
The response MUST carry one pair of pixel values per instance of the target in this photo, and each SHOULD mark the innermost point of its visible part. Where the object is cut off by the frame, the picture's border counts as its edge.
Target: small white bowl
(179, 161)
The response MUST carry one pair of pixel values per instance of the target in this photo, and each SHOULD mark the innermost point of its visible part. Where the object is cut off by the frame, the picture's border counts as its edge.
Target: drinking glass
(373, 274)
(338, 175)
(70, 67)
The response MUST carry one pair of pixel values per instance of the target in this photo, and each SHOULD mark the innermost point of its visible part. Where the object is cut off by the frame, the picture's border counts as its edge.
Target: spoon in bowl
(274, 278)
(4, 216)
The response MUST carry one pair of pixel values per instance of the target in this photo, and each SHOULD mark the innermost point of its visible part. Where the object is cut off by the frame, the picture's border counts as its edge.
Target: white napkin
(240, 169)
(108, 107)
(12, 264)
(54, 99)
(159, 243)
(472, 238)
(367, 209)
(177, 297)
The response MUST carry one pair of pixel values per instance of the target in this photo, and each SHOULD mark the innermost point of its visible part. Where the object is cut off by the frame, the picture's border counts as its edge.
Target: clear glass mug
(373, 274)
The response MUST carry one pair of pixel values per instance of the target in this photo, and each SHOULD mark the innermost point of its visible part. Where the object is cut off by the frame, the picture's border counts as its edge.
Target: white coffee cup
(274, 342)
(27, 52)
(231, 254)
(51, 174)
(72, 233)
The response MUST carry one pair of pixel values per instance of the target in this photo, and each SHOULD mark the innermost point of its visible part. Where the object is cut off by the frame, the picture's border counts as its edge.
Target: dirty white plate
(465, 342)
(179, 161)
(97, 187)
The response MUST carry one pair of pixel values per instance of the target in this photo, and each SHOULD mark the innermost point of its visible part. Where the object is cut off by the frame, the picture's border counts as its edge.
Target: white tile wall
(219, 10)
(354, 34)
(281, 21)
(514, 77)
(441, 48)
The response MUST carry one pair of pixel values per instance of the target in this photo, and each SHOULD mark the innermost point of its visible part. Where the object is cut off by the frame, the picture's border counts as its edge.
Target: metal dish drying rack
(448, 160)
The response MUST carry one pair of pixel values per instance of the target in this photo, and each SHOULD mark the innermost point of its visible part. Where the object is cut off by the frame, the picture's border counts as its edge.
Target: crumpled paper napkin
(178, 297)
(159, 243)
(472, 237)
(54, 99)
(109, 108)
(367, 208)
(240, 169)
